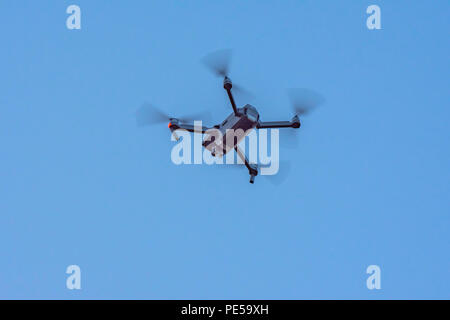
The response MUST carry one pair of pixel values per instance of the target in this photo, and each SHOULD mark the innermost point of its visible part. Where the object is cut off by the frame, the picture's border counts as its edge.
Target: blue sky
(82, 184)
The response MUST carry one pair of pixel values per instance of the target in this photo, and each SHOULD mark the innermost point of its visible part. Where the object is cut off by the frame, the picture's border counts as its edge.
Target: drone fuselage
(225, 136)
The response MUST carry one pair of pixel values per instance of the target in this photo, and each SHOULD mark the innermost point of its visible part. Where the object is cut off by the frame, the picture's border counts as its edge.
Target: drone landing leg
(252, 168)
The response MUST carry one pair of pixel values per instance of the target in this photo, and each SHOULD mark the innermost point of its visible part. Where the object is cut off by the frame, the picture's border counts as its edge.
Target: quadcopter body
(239, 123)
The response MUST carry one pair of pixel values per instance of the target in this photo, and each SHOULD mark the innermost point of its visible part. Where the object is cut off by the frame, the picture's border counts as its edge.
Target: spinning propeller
(219, 63)
(303, 101)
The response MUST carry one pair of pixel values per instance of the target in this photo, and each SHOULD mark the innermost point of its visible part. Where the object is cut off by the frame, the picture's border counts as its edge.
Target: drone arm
(274, 124)
(233, 104)
(188, 127)
(294, 123)
(227, 85)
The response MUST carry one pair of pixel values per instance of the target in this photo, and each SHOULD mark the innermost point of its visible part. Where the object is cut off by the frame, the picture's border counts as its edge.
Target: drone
(242, 119)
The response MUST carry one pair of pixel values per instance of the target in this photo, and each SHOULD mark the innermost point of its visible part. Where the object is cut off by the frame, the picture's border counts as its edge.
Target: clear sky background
(81, 184)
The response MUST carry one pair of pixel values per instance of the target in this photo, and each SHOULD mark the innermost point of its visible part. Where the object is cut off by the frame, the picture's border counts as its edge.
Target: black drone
(243, 119)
